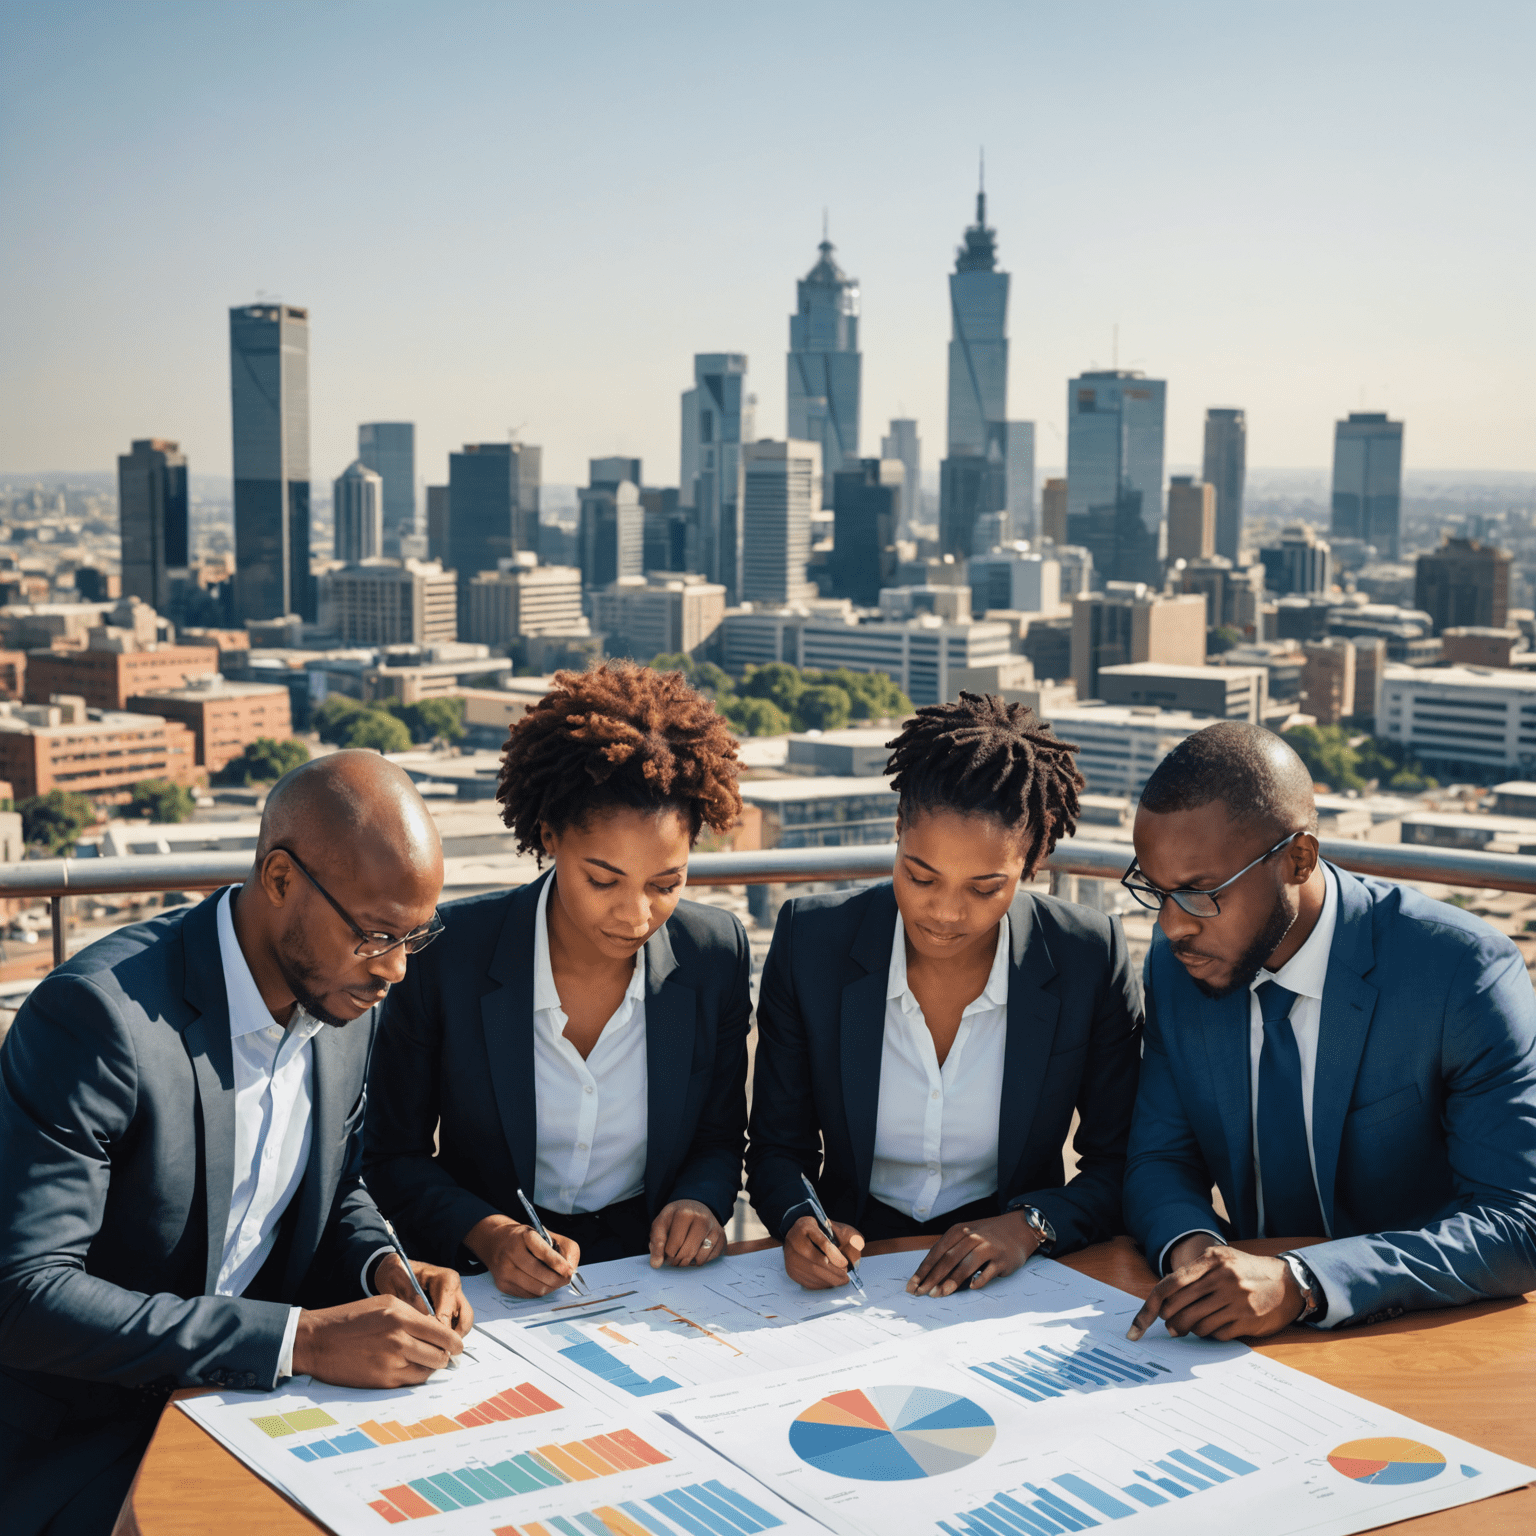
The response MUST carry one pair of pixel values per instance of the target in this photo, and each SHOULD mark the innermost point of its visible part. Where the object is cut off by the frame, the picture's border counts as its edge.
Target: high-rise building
(903, 443)
(388, 448)
(393, 602)
(613, 469)
(152, 519)
(437, 522)
(1020, 455)
(717, 419)
(666, 529)
(866, 513)
(1299, 564)
(1115, 470)
(518, 601)
(825, 363)
(357, 505)
(971, 488)
(1226, 467)
(1191, 519)
(1464, 582)
(269, 395)
(1129, 621)
(659, 614)
(778, 498)
(493, 506)
(1368, 480)
(1328, 680)
(610, 533)
(1053, 511)
(1015, 581)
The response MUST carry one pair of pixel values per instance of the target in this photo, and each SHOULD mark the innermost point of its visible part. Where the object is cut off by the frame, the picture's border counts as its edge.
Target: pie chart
(892, 1434)
(1387, 1460)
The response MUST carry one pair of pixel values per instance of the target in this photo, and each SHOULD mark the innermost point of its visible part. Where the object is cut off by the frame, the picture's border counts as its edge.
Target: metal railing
(54, 879)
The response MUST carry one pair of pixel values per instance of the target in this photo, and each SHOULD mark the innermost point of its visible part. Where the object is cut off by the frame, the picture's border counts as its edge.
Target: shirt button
(587, 1089)
(581, 1146)
(935, 1093)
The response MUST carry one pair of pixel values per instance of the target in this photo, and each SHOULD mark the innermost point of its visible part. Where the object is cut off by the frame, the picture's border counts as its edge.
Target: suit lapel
(861, 1035)
(671, 1020)
(506, 1015)
(1225, 1027)
(1032, 1013)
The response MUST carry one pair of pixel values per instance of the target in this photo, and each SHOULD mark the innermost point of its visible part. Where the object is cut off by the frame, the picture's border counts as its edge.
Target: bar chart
(549, 1466)
(1051, 1370)
(603, 1363)
(702, 1509)
(519, 1402)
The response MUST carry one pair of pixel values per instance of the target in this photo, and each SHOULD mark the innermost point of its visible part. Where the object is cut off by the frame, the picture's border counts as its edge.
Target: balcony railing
(54, 879)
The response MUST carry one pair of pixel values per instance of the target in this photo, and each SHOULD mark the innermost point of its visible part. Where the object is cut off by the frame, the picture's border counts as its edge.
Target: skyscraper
(779, 481)
(357, 505)
(903, 443)
(1115, 471)
(1368, 480)
(493, 507)
(269, 395)
(973, 478)
(1226, 467)
(152, 518)
(1464, 582)
(610, 537)
(824, 363)
(1021, 479)
(866, 511)
(1053, 511)
(1191, 519)
(717, 419)
(389, 449)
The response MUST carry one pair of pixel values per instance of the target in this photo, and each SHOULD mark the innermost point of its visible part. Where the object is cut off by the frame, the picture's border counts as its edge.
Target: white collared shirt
(936, 1127)
(592, 1114)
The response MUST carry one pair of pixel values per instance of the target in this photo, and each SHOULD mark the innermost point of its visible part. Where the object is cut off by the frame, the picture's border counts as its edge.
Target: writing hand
(381, 1341)
(813, 1260)
(441, 1285)
(520, 1261)
(972, 1252)
(1223, 1294)
(686, 1232)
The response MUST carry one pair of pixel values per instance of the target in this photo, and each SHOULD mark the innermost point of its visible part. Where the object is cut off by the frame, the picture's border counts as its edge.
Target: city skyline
(566, 300)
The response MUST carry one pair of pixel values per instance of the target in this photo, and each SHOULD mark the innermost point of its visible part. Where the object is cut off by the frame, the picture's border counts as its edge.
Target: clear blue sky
(511, 215)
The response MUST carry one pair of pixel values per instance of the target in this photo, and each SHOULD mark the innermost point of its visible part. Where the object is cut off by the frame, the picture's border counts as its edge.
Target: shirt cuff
(792, 1215)
(372, 1259)
(285, 1354)
(1162, 1258)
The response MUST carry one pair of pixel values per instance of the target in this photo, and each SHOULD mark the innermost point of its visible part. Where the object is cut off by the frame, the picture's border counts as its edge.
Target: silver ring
(708, 1242)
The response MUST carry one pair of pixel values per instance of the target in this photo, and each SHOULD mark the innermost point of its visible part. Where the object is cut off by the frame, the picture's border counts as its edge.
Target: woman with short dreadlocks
(923, 1043)
(583, 1039)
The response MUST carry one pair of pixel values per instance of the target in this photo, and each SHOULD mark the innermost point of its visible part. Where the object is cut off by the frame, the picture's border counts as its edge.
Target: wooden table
(1470, 1371)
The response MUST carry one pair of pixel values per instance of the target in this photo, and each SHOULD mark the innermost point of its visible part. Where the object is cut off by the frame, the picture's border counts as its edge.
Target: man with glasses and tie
(1350, 1063)
(181, 1107)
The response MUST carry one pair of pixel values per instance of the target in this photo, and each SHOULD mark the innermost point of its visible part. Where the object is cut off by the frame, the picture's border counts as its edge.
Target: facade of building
(1191, 518)
(269, 393)
(60, 746)
(1130, 622)
(223, 717)
(437, 522)
(1226, 467)
(1119, 745)
(1368, 480)
(610, 534)
(717, 420)
(660, 614)
(1299, 565)
(152, 519)
(834, 812)
(779, 484)
(518, 601)
(867, 500)
(824, 364)
(902, 442)
(1053, 510)
(1469, 646)
(1328, 680)
(493, 505)
(1020, 582)
(1464, 583)
(972, 489)
(388, 448)
(357, 506)
(1370, 669)
(1115, 470)
(919, 655)
(1020, 456)
(1222, 693)
(108, 678)
(394, 602)
(1473, 721)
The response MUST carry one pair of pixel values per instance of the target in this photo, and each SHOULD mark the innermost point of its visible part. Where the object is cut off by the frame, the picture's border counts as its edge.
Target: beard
(1251, 961)
(304, 978)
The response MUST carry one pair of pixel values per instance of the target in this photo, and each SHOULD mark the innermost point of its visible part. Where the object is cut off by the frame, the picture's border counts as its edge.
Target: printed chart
(1386, 1461)
(891, 1434)
(709, 1509)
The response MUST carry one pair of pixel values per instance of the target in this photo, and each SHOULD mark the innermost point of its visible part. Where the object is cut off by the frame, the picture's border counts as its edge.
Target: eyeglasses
(1196, 903)
(371, 945)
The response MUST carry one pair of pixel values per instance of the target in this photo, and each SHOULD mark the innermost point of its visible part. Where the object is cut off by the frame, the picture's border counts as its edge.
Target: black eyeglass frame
(415, 941)
(1152, 898)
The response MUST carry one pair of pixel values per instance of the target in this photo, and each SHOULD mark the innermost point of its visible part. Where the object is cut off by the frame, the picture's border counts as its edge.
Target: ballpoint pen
(426, 1301)
(577, 1283)
(826, 1226)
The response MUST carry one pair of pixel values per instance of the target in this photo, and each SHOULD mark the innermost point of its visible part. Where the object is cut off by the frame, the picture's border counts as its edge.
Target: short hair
(1253, 772)
(982, 757)
(617, 735)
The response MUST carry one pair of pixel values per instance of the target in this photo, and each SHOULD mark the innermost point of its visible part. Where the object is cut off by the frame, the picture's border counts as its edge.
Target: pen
(577, 1283)
(426, 1301)
(826, 1226)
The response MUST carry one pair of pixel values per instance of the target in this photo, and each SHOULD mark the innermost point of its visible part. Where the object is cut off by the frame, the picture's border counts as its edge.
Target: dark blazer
(1074, 1027)
(117, 1134)
(1423, 1109)
(456, 1046)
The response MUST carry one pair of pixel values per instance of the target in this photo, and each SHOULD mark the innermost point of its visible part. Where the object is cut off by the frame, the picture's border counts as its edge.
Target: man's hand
(378, 1342)
(1223, 1294)
(520, 1261)
(441, 1285)
(684, 1233)
(815, 1262)
(972, 1252)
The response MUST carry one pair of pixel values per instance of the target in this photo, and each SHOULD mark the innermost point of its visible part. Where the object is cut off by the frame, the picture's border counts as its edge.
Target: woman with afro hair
(582, 1039)
(924, 1043)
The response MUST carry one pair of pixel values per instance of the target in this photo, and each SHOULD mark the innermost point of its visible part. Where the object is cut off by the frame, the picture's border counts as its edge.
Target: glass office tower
(388, 448)
(717, 419)
(152, 518)
(824, 363)
(493, 507)
(269, 390)
(903, 443)
(1368, 480)
(1226, 467)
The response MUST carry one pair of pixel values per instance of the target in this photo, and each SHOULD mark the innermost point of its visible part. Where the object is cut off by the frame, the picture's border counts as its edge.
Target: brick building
(13, 674)
(107, 679)
(224, 717)
(57, 746)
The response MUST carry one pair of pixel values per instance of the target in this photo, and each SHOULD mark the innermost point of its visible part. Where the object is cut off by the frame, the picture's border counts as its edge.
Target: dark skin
(955, 877)
(387, 872)
(1212, 1290)
(618, 877)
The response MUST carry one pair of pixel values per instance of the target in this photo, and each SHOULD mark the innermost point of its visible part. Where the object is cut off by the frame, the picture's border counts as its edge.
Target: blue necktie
(1285, 1168)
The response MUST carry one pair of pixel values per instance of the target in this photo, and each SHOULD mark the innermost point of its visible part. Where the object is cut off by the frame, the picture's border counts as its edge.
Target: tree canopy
(161, 800)
(55, 821)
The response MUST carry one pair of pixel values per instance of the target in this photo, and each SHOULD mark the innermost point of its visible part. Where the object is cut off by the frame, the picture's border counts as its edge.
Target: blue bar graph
(1074, 1502)
(1051, 1371)
(337, 1445)
(606, 1365)
(699, 1509)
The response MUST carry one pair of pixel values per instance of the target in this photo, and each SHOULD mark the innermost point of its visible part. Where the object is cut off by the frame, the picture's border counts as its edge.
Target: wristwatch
(1035, 1218)
(1314, 1301)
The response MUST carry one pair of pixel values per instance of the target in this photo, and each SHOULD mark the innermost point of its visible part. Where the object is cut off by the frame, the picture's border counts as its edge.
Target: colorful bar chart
(520, 1402)
(550, 1466)
(701, 1509)
(1051, 1371)
(606, 1365)
(276, 1425)
(1073, 1502)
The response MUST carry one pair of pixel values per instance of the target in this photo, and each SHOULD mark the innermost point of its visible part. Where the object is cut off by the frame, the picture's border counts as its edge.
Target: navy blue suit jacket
(1074, 1026)
(457, 1047)
(1423, 1109)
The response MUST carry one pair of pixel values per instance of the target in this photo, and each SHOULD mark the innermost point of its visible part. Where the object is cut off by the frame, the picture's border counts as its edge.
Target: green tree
(377, 730)
(1221, 640)
(754, 717)
(54, 821)
(712, 679)
(823, 708)
(1329, 758)
(161, 800)
(675, 661)
(778, 682)
(264, 761)
(331, 718)
(871, 695)
(431, 719)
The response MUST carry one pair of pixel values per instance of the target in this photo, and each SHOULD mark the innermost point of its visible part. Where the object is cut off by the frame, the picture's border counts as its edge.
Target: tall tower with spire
(825, 365)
